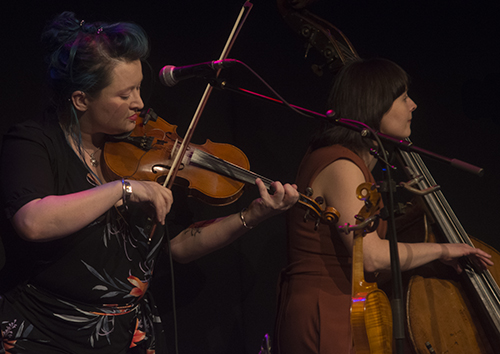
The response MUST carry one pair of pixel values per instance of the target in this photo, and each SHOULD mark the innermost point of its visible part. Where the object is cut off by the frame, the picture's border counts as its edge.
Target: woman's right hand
(57, 216)
(154, 195)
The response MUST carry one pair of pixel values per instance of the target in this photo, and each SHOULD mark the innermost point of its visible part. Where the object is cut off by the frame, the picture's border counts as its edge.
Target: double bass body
(446, 312)
(442, 315)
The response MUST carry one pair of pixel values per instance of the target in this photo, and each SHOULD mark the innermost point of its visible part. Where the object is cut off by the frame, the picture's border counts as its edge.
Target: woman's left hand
(283, 198)
(452, 253)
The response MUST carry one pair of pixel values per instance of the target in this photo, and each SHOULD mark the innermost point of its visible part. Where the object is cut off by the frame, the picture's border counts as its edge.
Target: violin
(215, 173)
(371, 314)
(147, 154)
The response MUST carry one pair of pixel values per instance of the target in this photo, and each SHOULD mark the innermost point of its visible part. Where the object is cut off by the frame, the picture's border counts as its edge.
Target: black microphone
(171, 75)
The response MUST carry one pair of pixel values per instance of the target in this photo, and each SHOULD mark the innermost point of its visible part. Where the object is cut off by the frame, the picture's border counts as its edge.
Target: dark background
(225, 301)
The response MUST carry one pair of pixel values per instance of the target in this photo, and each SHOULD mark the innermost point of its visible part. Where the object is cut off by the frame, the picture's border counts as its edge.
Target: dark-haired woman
(79, 262)
(315, 288)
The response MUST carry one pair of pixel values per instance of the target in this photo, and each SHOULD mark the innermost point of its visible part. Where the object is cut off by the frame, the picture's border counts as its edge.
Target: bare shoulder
(337, 184)
(338, 176)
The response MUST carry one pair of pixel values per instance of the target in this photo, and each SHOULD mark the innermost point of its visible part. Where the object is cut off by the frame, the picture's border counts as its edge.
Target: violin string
(214, 164)
(232, 170)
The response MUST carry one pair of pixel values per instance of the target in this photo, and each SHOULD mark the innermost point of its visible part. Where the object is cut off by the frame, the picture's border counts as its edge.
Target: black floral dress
(85, 293)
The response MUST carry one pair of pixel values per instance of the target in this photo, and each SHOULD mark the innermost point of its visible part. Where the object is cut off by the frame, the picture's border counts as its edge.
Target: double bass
(445, 313)
(448, 313)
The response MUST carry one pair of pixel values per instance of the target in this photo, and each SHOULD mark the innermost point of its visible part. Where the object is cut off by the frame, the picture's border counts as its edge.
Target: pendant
(93, 161)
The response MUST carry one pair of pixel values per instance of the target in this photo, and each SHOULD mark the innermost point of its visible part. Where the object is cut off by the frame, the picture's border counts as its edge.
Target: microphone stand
(397, 303)
(347, 123)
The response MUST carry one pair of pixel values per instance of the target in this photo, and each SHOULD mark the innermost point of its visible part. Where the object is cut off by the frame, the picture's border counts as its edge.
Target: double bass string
(486, 287)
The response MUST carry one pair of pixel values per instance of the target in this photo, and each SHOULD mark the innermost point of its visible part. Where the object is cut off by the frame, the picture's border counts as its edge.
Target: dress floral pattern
(85, 293)
(124, 303)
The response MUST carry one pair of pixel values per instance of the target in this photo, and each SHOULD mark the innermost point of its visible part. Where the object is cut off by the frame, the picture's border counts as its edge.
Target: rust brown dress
(314, 290)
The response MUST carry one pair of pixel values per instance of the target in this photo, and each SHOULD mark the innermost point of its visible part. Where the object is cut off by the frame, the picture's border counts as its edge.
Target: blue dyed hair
(81, 56)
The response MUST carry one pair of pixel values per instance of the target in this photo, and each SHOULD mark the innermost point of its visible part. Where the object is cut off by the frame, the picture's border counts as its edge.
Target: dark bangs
(364, 90)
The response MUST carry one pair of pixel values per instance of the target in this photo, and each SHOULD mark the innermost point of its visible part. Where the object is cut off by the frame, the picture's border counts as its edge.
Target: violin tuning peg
(316, 225)
(306, 215)
(320, 200)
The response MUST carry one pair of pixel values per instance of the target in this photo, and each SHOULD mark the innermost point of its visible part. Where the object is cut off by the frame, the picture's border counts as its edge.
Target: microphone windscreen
(166, 77)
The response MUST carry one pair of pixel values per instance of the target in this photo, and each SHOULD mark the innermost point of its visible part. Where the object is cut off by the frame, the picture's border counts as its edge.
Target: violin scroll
(368, 193)
(328, 215)
(215, 173)
(367, 219)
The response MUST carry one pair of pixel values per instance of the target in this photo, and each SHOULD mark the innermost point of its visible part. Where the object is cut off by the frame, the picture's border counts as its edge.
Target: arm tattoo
(195, 230)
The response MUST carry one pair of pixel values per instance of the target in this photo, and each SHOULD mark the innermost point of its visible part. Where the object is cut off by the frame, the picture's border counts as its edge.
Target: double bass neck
(480, 283)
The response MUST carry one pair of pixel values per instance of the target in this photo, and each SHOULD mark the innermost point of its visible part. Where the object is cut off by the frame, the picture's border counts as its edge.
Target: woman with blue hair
(78, 263)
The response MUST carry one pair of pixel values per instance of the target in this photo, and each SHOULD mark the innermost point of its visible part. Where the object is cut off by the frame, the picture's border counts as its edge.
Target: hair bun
(63, 29)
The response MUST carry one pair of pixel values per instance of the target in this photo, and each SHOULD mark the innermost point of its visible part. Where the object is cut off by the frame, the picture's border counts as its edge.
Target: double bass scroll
(319, 34)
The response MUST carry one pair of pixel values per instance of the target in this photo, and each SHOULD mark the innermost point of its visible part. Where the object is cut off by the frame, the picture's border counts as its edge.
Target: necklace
(93, 160)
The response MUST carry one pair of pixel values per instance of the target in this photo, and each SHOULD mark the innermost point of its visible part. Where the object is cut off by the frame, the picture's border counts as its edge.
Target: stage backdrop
(226, 301)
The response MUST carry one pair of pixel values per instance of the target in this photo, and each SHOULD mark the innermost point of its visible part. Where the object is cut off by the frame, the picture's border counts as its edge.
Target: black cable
(174, 311)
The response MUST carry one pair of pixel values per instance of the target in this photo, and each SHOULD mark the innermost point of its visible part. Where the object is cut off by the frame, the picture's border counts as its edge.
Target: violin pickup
(147, 115)
(142, 142)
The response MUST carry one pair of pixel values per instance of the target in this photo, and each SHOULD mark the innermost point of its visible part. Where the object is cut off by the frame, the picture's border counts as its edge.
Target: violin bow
(169, 180)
